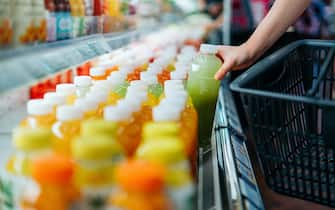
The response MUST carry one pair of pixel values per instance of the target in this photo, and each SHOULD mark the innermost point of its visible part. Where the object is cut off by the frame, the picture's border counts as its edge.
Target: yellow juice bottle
(66, 128)
(29, 144)
(127, 130)
(170, 152)
(68, 90)
(40, 114)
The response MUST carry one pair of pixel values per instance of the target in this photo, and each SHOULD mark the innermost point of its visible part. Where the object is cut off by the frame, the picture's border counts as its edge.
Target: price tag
(240, 151)
(99, 47)
(85, 51)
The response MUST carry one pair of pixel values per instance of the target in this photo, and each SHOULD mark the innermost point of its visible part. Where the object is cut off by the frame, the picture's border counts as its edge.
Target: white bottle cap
(178, 75)
(85, 104)
(38, 107)
(53, 98)
(97, 71)
(149, 78)
(106, 64)
(209, 49)
(115, 113)
(116, 79)
(161, 113)
(82, 81)
(68, 112)
(97, 96)
(66, 89)
(103, 85)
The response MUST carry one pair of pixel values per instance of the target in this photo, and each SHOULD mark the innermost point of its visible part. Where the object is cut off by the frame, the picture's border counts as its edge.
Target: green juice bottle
(203, 88)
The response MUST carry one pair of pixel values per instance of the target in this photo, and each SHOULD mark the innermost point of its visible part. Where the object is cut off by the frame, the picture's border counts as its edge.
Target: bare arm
(282, 14)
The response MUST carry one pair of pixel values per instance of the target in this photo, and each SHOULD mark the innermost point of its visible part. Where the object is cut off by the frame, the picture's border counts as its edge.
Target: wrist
(251, 51)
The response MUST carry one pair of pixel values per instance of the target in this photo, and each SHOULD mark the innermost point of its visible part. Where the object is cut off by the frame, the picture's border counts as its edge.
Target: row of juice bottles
(124, 137)
(25, 22)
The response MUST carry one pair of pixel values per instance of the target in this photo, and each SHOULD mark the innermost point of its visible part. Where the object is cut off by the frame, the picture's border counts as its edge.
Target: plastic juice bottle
(29, 143)
(127, 130)
(98, 73)
(203, 88)
(66, 128)
(141, 187)
(54, 175)
(169, 151)
(96, 159)
(112, 8)
(54, 99)
(68, 90)
(83, 84)
(88, 107)
(40, 114)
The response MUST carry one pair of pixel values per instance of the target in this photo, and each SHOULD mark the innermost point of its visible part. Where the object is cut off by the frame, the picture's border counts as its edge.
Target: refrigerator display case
(226, 177)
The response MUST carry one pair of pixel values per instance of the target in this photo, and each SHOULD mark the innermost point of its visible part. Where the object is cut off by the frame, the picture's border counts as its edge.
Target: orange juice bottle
(98, 73)
(127, 131)
(169, 151)
(54, 175)
(88, 107)
(96, 157)
(68, 90)
(40, 114)
(66, 128)
(54, 99)
(141, 187)
(83, 84)
(29, 143)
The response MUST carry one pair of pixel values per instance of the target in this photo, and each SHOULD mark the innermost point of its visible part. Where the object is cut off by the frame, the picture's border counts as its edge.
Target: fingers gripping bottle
(96, 157)
(40, 114)
(66, 128)
(169, 151)
(29, 143)
(140, 187)
(203, 88)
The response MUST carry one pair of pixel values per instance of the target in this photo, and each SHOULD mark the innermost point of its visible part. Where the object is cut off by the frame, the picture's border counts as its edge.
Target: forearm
(282, 14)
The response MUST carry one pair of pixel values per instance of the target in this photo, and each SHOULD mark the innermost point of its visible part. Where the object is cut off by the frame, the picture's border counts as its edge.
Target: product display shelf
(238, 188)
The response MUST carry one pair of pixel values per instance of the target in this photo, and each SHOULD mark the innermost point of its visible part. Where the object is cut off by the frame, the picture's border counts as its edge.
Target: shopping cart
(289, 106)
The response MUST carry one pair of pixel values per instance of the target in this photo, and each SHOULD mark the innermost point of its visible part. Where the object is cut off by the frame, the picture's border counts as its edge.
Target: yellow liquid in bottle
(65, 132)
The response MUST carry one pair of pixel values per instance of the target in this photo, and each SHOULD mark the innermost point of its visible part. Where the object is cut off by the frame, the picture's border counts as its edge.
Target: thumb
(227, 65)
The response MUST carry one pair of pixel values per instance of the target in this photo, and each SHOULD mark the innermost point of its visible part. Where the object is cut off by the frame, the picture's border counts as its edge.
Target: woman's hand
(234, 58)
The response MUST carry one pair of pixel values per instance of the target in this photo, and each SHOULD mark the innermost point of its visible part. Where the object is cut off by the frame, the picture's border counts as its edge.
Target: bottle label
(63, 26)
